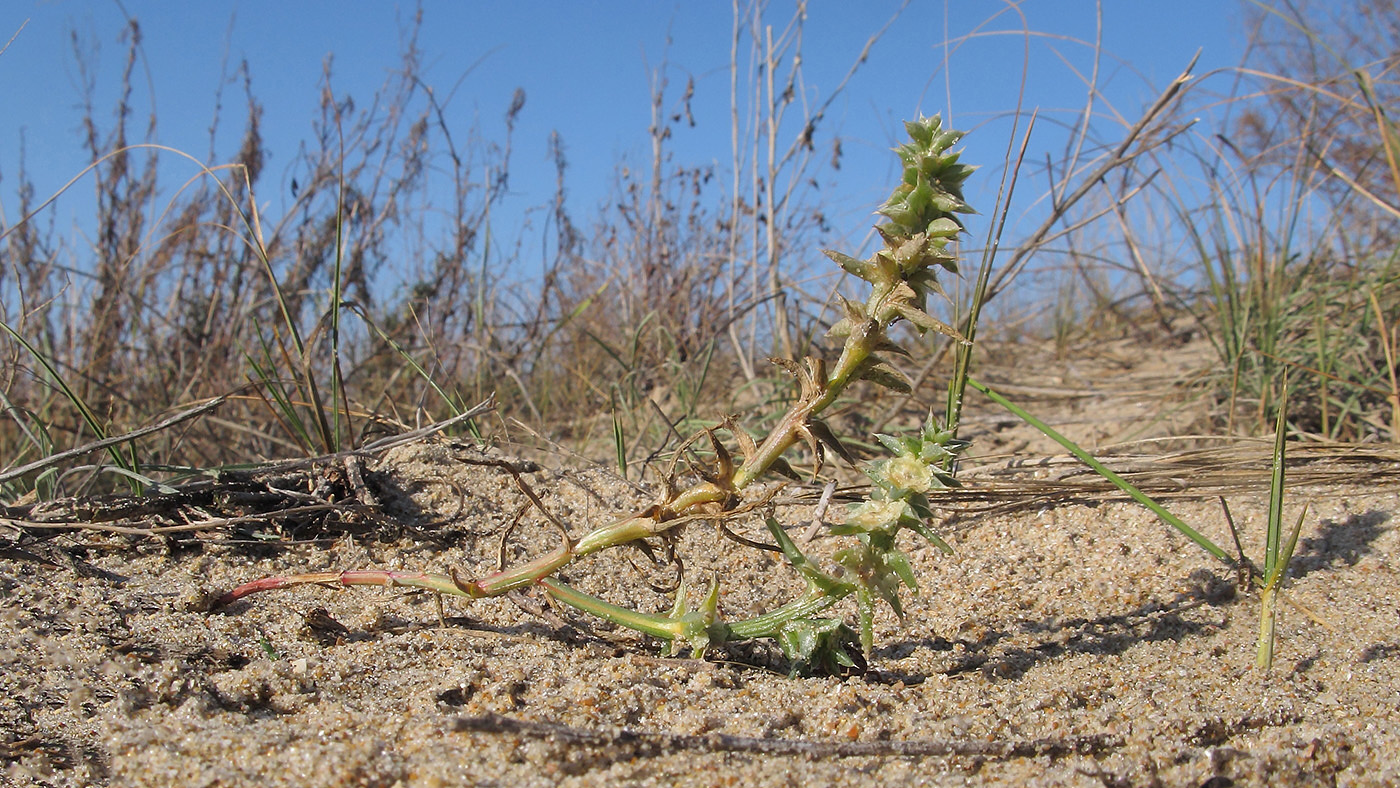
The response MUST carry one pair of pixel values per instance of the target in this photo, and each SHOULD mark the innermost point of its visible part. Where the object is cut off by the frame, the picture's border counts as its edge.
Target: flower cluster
(921, 463)
(922, 221)
(922, 213)
(930, 190)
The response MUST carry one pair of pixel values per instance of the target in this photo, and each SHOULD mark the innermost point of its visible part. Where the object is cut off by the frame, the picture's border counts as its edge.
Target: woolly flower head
(907, 473)
(873, 515)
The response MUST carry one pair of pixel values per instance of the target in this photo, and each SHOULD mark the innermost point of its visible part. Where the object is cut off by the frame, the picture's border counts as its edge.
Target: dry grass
(322, 336)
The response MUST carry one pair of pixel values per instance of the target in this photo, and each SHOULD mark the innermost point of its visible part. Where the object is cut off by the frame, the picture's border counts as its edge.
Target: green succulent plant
(921, 224)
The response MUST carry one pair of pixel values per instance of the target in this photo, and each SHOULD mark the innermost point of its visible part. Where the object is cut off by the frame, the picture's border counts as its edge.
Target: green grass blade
(619, 440)
(455, 404)
(36, 434)
(1104, 471)
(962, 354)
(1273, 535)
(138, 480)
(615, 354)
(269, 385)
(573, 315)
(1277, 553)
(124, 461)
(1288, 547)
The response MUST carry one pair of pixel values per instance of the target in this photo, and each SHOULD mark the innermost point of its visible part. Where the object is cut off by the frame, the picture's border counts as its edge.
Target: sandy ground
(1072, 640)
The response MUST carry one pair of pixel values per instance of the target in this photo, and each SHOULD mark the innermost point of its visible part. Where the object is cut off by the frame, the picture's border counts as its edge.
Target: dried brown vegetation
(368, 302)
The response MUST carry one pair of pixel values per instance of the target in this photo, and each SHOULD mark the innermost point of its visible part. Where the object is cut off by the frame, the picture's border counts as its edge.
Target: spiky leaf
(853, 266)
(881, 373)
(824, 434)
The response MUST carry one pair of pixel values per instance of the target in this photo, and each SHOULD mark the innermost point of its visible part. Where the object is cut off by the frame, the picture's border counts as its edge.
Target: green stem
(667, 628)
(859, 345)
(1264, 654)
(628, 529)
(659, 626)
(640, 526)
(525, 574)
(776, 445)
(770, 623)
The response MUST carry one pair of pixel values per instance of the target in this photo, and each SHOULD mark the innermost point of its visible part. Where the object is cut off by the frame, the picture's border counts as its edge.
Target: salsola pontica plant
(920, 222)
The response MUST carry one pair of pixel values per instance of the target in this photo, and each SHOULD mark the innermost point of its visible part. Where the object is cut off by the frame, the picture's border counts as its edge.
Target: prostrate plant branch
(921, 222)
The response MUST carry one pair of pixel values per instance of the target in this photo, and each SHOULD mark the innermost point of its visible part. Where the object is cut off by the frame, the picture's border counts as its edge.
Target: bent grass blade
(1104, 471)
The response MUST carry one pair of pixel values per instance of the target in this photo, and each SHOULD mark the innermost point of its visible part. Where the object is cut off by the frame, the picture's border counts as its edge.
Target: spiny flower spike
(922, 214)
(930, 191)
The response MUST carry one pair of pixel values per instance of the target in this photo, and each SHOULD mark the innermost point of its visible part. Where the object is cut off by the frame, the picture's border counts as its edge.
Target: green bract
(874, 515)
(931, 187)
(922, 462)
(820, 643)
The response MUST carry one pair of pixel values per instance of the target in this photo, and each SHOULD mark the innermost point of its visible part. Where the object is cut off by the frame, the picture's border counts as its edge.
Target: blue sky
(584, 68)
